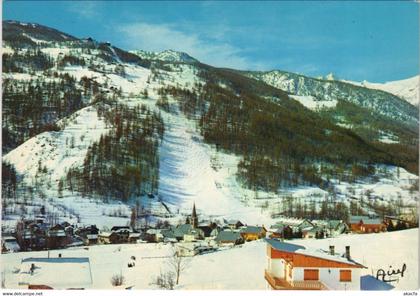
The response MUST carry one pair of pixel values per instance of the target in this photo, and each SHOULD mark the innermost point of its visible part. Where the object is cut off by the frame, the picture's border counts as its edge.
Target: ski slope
(187, 176)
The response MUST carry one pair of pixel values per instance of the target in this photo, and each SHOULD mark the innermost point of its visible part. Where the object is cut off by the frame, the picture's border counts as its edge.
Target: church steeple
(194, 218)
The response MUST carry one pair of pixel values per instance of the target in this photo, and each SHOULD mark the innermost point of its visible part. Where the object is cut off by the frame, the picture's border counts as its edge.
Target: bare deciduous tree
(177, 264)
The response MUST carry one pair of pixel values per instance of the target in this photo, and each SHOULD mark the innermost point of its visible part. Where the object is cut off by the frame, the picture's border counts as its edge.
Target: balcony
(281, 284)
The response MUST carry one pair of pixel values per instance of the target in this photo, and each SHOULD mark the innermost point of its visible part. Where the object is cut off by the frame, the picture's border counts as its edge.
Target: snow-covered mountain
(81, 116)
(31, 32)
(386, 104)
(407, 89)
(166, 55)
(329, 76)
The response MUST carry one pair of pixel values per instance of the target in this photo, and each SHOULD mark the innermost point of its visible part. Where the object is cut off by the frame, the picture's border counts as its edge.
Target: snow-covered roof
(56, 233)
(314, 229)
(230, 236)
(105, 234)
(356, 219)
(327, 223)
(12, 246)
(289, 221)
(282, 246)
(309, 228)
(318, 253)
(8, 238)
(375, 221)
(117, 228)
(154, 231)
(365, 220)
(178, 231)
(50, 271)
(232, 221)
(188, 246)
(252, 229)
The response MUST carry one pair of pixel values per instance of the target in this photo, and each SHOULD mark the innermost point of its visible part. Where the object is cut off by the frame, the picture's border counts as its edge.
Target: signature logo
(391, 275)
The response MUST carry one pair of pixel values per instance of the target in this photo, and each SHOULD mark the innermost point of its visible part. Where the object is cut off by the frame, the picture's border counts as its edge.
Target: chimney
(348, 252)
(332, 250)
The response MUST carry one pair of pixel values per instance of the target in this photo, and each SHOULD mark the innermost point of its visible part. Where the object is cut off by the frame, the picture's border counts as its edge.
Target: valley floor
(241, 267)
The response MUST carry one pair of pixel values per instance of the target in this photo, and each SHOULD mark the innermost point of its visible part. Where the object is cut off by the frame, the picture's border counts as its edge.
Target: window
(345, 275)
(310, 274)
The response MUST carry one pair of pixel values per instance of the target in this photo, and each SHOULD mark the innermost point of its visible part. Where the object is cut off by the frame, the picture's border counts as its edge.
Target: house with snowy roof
(48, 273)
(366, 224)
(185, 232)
(250, 233)
(106, 237)
(118, 235)
(90, 239)
(9, 244)
(207, 229)
(281, 232)
(215, 232)
(314, 232)
(331, 228)
(227, 237)
(189, 249)
(154, 235)
(233, 224)
(336, 227)
(193, 235)
(295, 223)
(290, 227)
(293, 267)
(56, 238)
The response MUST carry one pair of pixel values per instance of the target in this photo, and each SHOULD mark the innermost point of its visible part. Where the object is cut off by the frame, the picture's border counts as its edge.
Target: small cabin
(90, 239)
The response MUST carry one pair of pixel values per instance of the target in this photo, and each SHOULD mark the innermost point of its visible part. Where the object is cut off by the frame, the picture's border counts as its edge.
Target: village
(289, 266)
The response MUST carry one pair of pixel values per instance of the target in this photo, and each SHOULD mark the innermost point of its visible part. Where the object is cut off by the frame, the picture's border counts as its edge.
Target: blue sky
(376, 41)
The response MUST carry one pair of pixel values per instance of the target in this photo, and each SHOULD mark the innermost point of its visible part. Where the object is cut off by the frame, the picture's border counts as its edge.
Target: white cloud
(158, 37)
(84, 9)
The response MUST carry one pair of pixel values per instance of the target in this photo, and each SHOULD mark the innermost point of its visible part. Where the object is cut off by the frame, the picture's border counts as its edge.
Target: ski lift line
(155, 257)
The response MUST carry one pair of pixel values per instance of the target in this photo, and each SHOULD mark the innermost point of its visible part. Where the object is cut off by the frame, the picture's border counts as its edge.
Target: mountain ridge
(71, 107)
(167, 55)
(407, 89)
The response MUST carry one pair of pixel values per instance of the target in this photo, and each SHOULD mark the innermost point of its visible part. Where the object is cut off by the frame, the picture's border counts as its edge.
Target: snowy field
(312, 103)
(241, 267)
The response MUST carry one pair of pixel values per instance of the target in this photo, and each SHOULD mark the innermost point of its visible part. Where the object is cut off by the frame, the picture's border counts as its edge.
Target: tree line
(124, 163)
(281, 142)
